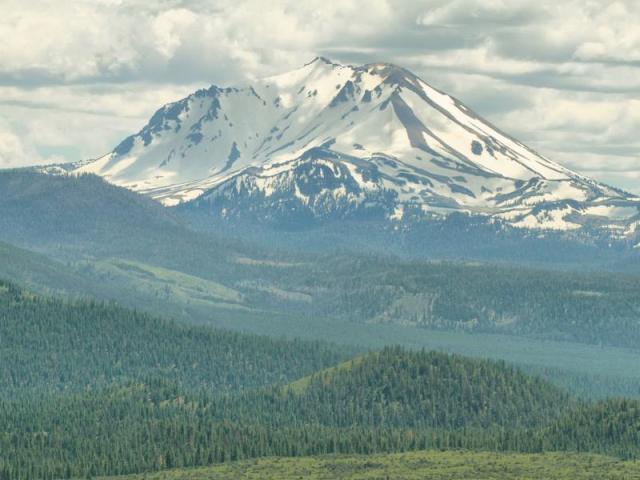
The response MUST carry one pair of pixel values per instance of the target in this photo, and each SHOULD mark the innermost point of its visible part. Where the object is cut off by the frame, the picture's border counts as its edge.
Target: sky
(77, 76)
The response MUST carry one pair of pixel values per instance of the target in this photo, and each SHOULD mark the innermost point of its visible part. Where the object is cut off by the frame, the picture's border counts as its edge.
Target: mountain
(331, 141)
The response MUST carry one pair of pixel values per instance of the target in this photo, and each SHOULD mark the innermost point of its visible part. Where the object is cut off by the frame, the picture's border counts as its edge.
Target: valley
(577, 328)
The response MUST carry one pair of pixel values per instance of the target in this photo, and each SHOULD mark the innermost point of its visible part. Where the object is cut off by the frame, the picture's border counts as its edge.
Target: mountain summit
(338, 141)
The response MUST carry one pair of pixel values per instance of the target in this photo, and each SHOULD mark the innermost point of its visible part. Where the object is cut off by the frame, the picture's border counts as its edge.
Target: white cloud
(613, 33)
(81, 121)
(474, 12)
(112, 41)
(14, 151)
(167, 28)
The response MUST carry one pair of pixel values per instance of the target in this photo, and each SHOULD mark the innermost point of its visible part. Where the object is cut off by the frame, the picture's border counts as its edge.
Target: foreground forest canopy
(118, 392)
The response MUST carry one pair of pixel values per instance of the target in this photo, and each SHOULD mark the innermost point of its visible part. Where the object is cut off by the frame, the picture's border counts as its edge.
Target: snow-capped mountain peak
(342, 140)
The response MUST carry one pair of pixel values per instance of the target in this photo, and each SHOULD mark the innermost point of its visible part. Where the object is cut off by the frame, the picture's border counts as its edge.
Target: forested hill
(392, 401)
(50, 344)
(398, 388)
(73, 208)
(71, 216)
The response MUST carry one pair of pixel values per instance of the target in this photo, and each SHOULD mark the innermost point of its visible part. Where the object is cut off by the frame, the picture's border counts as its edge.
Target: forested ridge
(50, 344)
(594, 308)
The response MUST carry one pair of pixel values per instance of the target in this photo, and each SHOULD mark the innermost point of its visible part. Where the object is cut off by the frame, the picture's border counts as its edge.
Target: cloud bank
(564, 77)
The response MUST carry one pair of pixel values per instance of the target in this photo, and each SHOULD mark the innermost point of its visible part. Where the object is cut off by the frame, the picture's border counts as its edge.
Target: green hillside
(451, 465)
(611, 426)
(113, 360)
(45, 210)
(38, 272)
(591, 308)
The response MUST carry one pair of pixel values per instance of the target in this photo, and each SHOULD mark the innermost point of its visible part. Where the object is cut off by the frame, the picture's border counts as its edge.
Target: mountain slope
(109, 243)
(336, 141)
